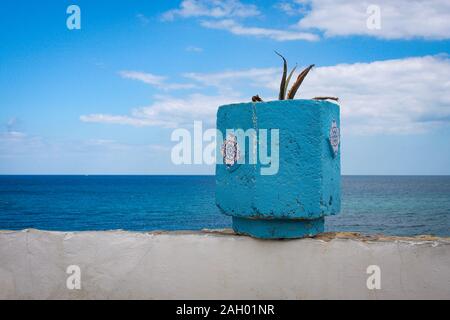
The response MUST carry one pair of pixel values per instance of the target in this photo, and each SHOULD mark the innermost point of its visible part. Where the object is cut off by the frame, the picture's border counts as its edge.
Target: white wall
(124, 265)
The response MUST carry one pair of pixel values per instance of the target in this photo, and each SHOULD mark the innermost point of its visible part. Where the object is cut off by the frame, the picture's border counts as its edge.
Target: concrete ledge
(220, 265)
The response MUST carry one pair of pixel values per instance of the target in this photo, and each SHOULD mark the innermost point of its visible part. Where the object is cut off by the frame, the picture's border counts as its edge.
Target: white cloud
(26, 154)
(222, 16)
(168, 112)
(394, 96)
(12, 136)
(400, 19)
(144, 77)
(123, 119)
(14, 142)
(12, 122)
(212, 8)
(155, 80)
(227, 80)
(274, 34)
(194, 49)
(143, 20)
(288, 8)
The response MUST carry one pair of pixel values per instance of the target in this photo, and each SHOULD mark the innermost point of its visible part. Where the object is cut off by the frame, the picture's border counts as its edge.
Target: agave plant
(285, 79)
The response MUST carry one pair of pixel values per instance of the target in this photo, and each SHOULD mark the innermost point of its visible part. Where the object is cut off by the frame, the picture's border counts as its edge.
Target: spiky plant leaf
(288, 80)
(298, 82)
(282, 94)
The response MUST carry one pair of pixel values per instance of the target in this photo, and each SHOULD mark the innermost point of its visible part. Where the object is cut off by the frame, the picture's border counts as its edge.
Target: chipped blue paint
(293, 202)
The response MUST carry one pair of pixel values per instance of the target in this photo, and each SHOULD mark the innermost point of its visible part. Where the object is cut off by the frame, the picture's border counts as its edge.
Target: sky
(105, 98)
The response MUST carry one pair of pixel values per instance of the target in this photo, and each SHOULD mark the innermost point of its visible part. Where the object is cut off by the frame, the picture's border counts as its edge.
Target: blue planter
(280, 174)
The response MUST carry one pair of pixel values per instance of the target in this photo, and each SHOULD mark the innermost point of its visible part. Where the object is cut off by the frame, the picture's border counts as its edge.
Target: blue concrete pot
(278, 171)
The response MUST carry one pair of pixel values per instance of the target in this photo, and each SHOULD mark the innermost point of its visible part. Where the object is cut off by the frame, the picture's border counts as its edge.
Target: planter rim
(280, 102)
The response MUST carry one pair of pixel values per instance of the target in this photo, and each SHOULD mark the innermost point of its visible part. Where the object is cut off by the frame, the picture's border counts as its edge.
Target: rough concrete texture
(220, 265)
(307, 184)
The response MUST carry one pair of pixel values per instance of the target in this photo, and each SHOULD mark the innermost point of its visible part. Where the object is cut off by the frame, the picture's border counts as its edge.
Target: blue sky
(105, 99)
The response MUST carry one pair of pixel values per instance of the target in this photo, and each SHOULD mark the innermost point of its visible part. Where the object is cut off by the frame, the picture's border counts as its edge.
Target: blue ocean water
(395, 205)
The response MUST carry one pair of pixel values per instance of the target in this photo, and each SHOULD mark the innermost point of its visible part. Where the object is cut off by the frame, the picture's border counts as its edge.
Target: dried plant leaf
(298, 82)
(282, 94)
(289, 79)
(257, 99)
(326, 98)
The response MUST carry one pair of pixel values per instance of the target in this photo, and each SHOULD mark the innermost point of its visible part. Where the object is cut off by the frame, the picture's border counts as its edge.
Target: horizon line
(201, 175)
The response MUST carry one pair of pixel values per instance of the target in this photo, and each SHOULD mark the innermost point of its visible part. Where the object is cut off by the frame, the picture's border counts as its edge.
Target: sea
(390, 205)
